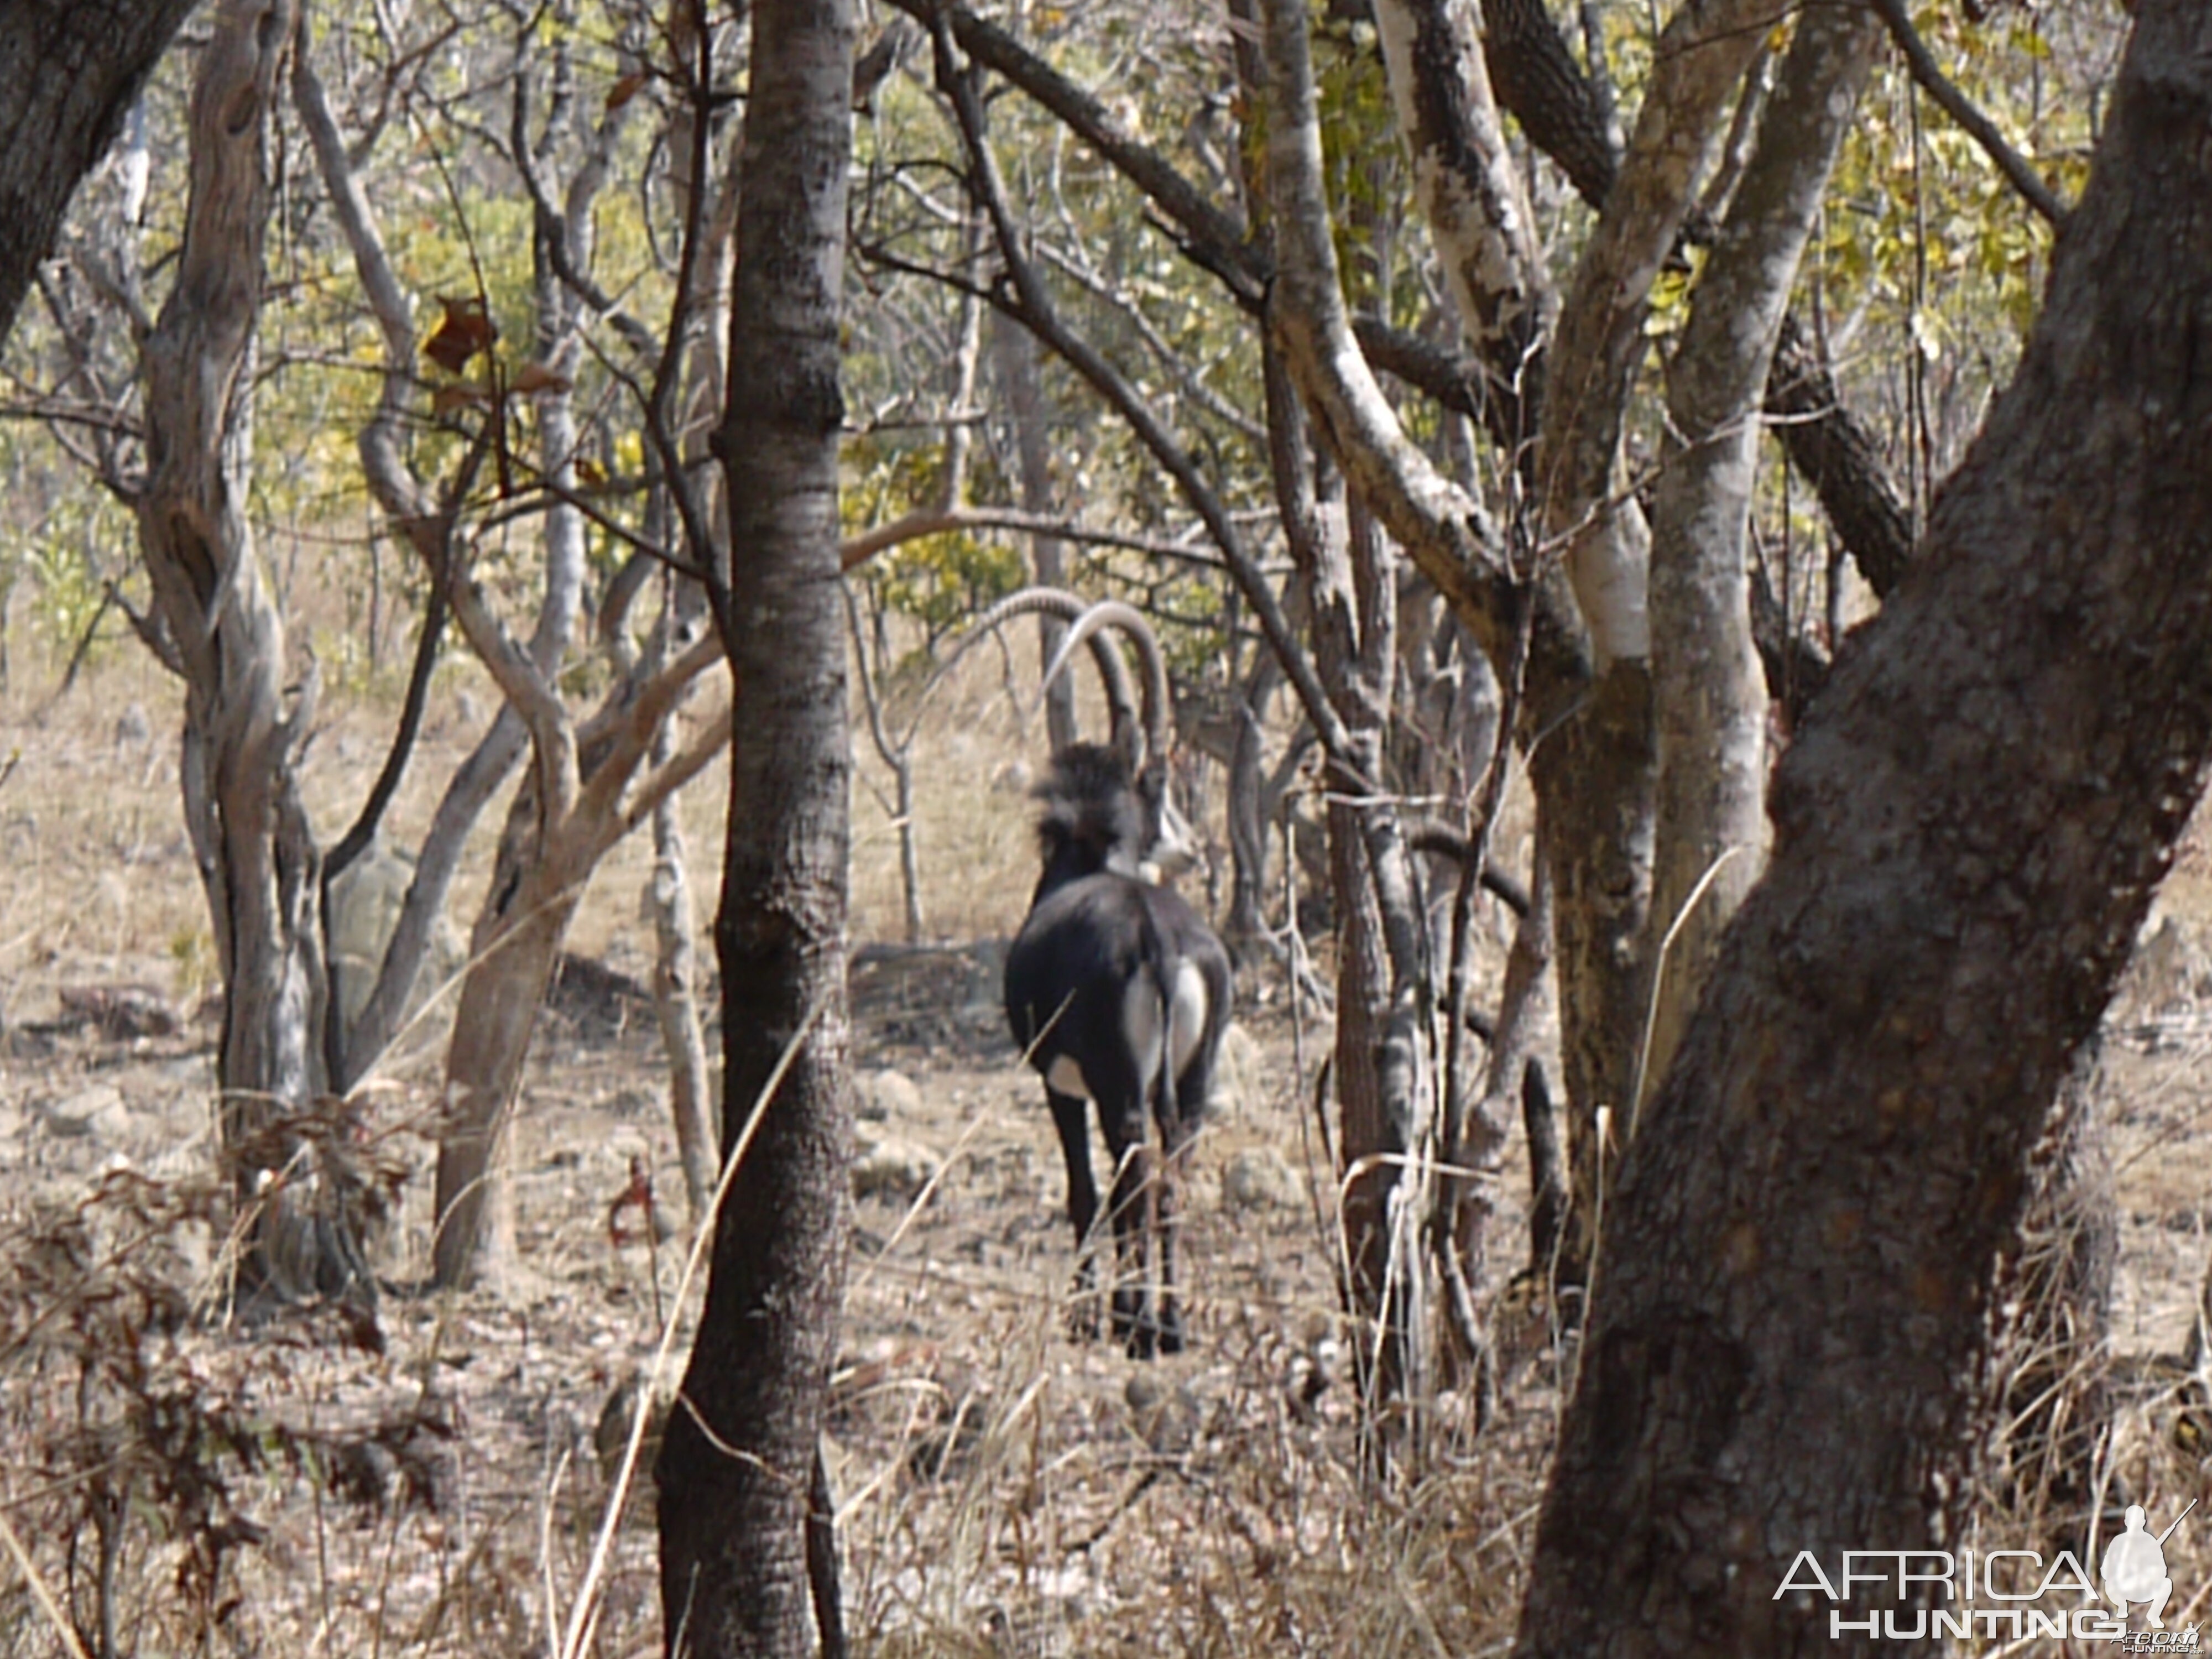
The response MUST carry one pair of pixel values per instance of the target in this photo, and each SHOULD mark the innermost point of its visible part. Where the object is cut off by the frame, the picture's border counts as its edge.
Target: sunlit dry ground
(1005, 1489)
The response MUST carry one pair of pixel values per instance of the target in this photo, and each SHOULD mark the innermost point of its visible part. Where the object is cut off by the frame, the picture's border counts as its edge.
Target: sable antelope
(1115, 989)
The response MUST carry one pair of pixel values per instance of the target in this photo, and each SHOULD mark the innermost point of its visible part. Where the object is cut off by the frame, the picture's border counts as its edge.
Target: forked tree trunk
(1709, 688)
(1794, 1284)
(738, 1468)
(257, 859)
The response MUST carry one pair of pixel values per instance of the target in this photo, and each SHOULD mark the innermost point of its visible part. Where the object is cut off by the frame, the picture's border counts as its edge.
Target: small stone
(98, 1112)
(887, 1166)
(1236, 1086)
(885, 1096)
(1260, 1179)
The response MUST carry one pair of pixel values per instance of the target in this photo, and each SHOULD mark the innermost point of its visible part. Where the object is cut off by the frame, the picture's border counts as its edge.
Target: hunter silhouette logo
(2135, 1565)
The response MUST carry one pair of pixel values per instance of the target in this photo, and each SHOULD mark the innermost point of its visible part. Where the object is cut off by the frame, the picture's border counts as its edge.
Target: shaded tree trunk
(736, 1469)
(1795, 1282)
(1381, 1088)
(1246, 921)
(2050, 1401)
(69, 71)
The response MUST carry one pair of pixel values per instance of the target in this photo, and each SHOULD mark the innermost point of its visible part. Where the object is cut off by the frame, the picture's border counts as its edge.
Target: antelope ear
(1175, 847)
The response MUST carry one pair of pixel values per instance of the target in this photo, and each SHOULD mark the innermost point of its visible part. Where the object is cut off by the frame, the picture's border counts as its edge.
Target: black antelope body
(1115, 989)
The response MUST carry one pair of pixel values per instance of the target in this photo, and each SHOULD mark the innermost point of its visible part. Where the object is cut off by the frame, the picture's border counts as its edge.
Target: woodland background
(1525, 427)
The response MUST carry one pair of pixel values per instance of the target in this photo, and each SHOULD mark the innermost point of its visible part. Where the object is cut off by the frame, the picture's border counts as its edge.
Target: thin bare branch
(1930, 76)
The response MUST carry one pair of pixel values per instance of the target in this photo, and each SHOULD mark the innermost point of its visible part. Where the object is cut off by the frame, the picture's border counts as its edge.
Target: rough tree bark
(1793, 1285)
(70, 70)
(1709, 688)
(1386, 1085)
(736, 1471)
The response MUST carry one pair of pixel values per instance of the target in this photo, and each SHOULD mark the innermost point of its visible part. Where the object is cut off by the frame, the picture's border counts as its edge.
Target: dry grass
(1005, 1491)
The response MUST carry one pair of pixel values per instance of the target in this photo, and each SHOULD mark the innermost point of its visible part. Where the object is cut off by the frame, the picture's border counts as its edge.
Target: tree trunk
(1794, 1289)
(736, 1469)
(1246, 921)
(69, 71)
(512, 954)
(257, 858)
(2049, 1398)
(1594, 780)
(1380, 1089)
(1709, 690)
(676, 975)
(1022, 378)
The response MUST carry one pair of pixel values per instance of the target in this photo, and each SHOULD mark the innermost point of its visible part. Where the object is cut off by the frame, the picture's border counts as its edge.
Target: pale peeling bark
(676, 983)
(545, 861)
(737, 1472)
(1794, 1291)
(257, 858)
(1444, 530)
(1592, 773)
(1470, 190)
(695, 176)
(1383, 1088)
(584, 793)
(1700, 56)
(512, 954)
(1709, 690)
(1595, 777)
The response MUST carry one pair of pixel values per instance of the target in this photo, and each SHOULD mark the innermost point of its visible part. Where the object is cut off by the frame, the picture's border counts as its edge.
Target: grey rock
(885, 1166)
(1260, 1178)
(97, 1112)
(885, 1096)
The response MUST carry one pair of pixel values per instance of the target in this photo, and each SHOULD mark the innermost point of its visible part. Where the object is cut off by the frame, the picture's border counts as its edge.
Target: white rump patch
(1186, 1012)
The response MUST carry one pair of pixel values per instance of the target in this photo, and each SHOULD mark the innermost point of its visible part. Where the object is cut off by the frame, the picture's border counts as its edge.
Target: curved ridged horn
(1069, 608)
(1114, 613)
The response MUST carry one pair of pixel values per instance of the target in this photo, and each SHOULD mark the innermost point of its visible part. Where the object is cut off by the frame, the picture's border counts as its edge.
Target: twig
(40, 1591)
(582, 1611)
(77, 656)
(1960, 108)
